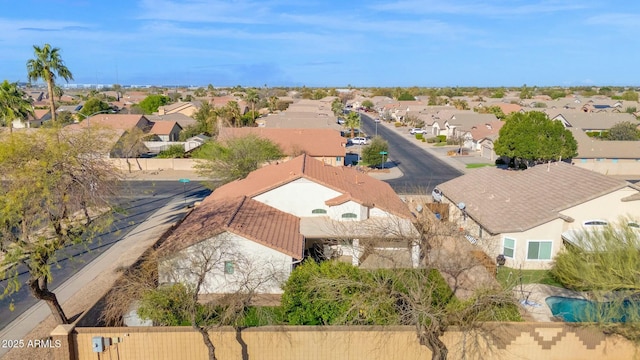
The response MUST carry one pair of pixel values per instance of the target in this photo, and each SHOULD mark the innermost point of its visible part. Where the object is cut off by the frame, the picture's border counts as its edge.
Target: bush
(173, 152)
(398, 124)
(419, 137)
(452, 141)
(442, 138)
(432, 140)
(500, 161)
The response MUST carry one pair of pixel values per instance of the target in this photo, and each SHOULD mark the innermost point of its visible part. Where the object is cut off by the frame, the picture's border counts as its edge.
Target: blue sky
(329, 43)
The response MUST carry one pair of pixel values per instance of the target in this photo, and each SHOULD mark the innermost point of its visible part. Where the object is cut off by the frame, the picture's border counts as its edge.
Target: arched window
(318, 211)
(349, 216)
(595, 223)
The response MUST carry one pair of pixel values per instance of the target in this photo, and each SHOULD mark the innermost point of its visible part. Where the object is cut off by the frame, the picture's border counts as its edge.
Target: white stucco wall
(335, 212)
(607, 207)
(550, 231)
(252, 261)
(298, 197)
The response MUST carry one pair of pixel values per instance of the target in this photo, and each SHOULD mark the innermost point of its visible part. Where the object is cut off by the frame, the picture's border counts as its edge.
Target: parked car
(358, 141)
(414, 131)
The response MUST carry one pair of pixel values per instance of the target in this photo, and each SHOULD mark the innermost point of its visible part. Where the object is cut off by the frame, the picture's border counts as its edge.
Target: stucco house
(286, 211)
(526, 215)
(326, 145)
(250, 241)
(619, 158)
(166, 130)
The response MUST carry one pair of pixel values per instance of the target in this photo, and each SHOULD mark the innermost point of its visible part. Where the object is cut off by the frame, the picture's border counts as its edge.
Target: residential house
(527, 215)
(249, 238)
(123, 125)
(590, 121)
(303, 207)
(617, 158)
(183, 120)
(483, 137)
(332, 202)
(185, 108)
(166, 130)
(326, 145)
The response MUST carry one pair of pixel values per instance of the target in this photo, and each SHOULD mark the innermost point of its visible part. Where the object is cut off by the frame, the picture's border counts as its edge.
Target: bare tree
(211, 284)
(449, 287)
(57, 188)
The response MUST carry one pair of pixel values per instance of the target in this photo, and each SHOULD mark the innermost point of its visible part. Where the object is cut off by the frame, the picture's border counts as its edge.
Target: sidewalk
(88, 285)
(458, 162)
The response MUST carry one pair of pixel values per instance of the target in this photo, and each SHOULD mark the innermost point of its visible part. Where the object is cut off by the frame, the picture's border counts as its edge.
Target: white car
(358, 141)
(414, 131)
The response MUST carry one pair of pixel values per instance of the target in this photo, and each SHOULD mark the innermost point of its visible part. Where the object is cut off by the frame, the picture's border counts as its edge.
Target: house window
(583, 161)
(599, 160)
(349, 216)
(338, 158)
(318, 211)
(615, 161)
(229, 267)
(509, 248)
(595, 223)
(539, 250)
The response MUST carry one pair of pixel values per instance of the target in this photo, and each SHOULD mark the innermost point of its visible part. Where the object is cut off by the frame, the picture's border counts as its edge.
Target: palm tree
(352, 121)
(46, 65)
(336, 107)
(252, 98)
(13, 104)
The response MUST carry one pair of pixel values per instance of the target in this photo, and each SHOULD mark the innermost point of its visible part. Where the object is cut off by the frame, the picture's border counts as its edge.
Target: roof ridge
(236, 211)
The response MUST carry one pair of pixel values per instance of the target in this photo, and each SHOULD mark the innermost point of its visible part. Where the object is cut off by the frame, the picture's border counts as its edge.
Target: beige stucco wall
(154, 164)
(623, 167)
(607, 207)
(499, 341)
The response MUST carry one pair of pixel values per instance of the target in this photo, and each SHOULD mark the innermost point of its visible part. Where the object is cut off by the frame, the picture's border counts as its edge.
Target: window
(599, 160)
(338, 158)
(539, 250)
(349, 216)
(318, 211)
(595, 223)
(509, 248)
(615, 161)
(228, 267)
(583, 161)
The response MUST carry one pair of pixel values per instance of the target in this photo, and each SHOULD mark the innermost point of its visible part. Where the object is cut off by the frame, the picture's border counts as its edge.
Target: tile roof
(163, 127)
(115, 121)
(353, 185)
(490, 130)
(589, 148)
(315, 142)
(513, 201)
(592, 121)
(241, 216)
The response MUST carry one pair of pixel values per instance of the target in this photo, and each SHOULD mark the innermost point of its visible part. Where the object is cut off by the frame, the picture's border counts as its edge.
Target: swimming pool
(581, 310)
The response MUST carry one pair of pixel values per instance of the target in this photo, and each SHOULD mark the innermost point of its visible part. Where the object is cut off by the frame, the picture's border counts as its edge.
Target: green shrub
(419, 136)
(432, 140)
(452, 141)
(173, 152)
(423, 139)
(442, 138)
(398, 124)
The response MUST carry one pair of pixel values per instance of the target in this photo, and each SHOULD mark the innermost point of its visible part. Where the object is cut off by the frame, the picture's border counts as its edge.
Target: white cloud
(481, 8)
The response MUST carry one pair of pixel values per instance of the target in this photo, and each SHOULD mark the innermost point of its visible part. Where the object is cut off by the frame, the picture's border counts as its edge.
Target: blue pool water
(580, 310)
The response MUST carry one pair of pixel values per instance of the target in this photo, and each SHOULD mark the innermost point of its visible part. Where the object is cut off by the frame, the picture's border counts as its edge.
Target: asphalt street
(422, 170)
(139, 200)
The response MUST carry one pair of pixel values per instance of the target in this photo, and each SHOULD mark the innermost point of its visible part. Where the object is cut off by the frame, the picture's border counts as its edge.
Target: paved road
(139, 200)
(422, 170)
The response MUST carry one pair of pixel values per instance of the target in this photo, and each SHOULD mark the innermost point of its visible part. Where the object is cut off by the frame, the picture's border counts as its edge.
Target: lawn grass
(509, 277)
(443, 143)
(478, 165)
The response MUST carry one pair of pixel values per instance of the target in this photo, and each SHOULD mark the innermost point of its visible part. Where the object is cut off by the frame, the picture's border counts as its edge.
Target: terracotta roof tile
(513, 201)
(163, 127)
(360, 187)
(241, 216)
(315, 142)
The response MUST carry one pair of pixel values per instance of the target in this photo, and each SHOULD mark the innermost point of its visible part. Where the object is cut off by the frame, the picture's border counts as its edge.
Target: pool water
(581, 310)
